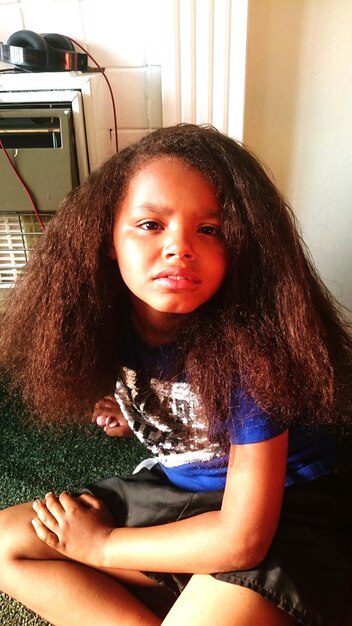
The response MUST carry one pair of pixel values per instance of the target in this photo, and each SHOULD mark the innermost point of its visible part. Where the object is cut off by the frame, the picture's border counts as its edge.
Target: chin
(177, 309)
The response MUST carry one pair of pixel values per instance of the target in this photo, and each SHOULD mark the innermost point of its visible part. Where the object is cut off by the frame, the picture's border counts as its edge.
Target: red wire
(24, 186)
(102, 69)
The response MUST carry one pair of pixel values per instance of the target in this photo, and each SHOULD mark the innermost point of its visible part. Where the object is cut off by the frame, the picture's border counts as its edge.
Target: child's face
(167, 240)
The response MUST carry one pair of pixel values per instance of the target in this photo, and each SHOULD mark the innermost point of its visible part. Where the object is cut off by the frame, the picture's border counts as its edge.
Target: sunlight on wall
(298, 120)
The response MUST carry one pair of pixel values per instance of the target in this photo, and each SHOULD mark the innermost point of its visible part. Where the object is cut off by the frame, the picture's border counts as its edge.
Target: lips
(177, 273)
(177, 278)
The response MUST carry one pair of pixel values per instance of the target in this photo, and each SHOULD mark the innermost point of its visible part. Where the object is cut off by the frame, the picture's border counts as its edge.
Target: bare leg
(64, 592)
(206, 601)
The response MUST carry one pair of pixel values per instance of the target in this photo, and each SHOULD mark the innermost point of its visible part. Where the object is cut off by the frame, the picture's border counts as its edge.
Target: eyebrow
(159, 209)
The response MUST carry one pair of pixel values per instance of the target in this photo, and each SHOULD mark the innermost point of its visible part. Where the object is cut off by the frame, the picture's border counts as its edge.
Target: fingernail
(35, 505)
(111, 422)
(34, 521)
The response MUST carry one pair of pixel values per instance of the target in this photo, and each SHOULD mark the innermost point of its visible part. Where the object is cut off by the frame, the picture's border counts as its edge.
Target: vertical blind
(204, 62)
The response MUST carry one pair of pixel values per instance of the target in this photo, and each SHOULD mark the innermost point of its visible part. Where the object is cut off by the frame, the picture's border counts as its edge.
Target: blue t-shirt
(166, 416)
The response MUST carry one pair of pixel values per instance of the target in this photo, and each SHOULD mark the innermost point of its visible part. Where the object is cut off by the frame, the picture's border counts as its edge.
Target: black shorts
(308, 569)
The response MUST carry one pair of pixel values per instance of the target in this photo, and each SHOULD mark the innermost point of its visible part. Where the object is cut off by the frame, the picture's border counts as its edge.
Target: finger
(99, 411)
(100, 420)
(108, 403)
(106, 410)
(104, 414)
(90, 501)
(113, 431)
(111, 422)
(53, 504)
(105, 420)
(118, 431)
(45, 516)
(67, 502)
(100, 408)
(44, 534)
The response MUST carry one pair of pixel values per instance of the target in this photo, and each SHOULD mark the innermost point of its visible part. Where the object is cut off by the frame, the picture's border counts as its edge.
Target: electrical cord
(102, 70)
(23, 185)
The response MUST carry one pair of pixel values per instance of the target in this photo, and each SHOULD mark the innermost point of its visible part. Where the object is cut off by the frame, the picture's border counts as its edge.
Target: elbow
(253, 557)
(246, 554)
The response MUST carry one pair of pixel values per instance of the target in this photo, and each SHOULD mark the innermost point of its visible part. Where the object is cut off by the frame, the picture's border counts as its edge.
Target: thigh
(17, 537)
(206, 600)
(20, 544)
(18, 540)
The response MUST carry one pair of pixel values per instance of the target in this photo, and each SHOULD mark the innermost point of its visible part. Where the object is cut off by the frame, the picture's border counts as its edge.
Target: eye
(150, 225)
(211, 230)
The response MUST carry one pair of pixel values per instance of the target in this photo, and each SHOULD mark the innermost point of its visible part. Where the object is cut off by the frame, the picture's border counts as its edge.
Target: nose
(179, 244)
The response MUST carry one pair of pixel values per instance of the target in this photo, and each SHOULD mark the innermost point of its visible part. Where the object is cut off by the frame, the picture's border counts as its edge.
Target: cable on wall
(23, 185)
(102, 70)
(11, 165)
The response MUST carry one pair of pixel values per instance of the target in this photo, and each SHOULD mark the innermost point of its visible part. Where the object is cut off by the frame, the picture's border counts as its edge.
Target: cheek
(130, 276)
(132, 261)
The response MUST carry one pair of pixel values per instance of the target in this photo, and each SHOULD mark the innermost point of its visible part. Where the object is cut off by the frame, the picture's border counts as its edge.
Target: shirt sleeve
(248, 423)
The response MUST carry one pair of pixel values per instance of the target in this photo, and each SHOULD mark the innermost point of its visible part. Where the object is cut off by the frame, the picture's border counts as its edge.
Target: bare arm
(236, 537)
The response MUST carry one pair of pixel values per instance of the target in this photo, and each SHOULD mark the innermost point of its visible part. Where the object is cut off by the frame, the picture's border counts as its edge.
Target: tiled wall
(122, 35)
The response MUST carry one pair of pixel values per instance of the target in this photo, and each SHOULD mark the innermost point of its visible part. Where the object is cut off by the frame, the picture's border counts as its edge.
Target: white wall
(298, 105)
(298, 119)
(122, 35)
(203, 63)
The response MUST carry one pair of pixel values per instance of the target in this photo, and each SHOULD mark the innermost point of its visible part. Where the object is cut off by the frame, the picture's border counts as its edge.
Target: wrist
(104, 551)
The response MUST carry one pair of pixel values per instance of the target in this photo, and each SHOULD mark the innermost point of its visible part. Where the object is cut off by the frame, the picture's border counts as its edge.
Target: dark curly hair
(273, 327)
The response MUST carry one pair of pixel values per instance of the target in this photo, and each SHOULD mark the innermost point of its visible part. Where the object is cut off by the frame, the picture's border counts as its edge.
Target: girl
(177, 271)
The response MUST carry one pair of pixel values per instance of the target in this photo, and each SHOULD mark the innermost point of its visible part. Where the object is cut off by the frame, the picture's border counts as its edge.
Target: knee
(7, 532)
(18, 540)
(16, 532)
(7, 544)
(16, 544)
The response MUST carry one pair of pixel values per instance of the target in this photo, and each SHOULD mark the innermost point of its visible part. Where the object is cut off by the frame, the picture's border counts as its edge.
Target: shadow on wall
(272, 83)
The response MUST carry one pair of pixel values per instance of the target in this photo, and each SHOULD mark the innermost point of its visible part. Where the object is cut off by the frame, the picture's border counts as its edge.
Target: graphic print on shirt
(176, 433)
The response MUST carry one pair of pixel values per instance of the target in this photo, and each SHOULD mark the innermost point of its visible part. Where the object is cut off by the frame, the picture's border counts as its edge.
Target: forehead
(170, 178)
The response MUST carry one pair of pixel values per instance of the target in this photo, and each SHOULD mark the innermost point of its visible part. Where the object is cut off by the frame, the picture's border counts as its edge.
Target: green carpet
(33, 462)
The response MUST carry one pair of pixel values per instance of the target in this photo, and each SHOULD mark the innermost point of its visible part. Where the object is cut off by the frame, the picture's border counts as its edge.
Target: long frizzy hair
(273, 328)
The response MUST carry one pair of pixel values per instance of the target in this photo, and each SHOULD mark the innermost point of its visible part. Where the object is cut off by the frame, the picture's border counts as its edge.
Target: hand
(107, 414)
(76, 527)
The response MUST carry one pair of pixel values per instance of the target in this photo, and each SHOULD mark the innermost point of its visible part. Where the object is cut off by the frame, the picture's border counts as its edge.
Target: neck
(158, 328)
